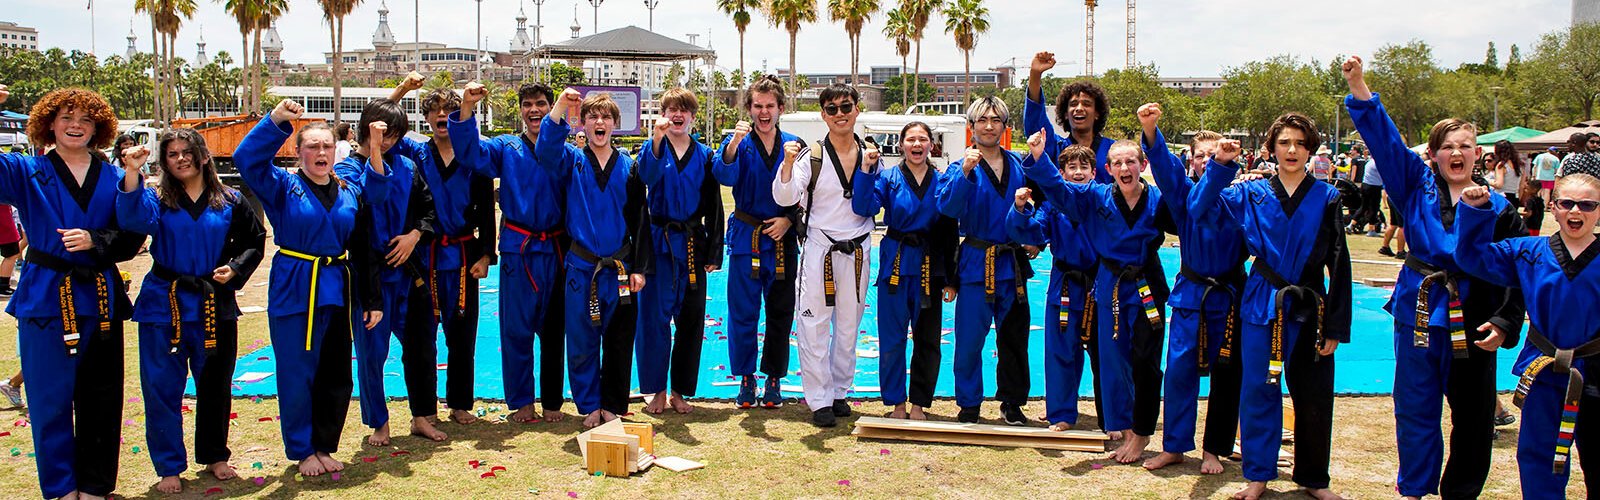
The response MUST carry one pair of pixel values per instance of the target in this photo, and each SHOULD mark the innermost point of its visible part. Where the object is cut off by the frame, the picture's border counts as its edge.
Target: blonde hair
(1124, 143)
(599, 103)
(1203, 136)
(680, 98)
(1572, 181)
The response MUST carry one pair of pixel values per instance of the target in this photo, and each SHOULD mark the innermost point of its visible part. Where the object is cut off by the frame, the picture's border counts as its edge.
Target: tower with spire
(272, 48)
(521, 44)
(576, 28)
(383, 42)
(132, 47)
(200, 58)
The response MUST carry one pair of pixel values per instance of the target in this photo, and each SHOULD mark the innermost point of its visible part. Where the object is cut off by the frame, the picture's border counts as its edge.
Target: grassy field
(757, 453)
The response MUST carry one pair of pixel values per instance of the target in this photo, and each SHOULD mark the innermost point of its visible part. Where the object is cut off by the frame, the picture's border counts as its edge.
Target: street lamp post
(596, 4)
(651, 4)
(1496, 89)
(479, 40)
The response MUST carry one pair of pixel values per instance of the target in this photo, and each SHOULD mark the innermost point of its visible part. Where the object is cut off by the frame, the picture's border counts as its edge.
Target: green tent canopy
(1512, 134)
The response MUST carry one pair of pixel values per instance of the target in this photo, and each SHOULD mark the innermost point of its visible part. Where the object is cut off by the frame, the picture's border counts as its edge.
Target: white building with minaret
(200, 59)
(521, 43)
(133, 48)
(385, 61)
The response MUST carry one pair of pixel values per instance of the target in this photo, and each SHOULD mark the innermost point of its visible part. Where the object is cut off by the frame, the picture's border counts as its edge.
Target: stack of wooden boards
(618, 448)
(979, 434)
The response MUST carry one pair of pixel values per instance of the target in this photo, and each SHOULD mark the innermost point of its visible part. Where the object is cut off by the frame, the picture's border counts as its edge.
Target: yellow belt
(317, 262)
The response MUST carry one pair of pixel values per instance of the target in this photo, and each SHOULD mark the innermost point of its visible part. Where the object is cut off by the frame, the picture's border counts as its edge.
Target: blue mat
(1366, 365)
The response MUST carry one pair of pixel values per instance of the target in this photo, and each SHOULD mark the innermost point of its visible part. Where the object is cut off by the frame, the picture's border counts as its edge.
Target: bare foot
(312, 467)
(1131, 448)
(462, 417)
(421, 427)
(1115, 435)
(70, 496)
(1163, 460)
(592, 420)
(169, 485)
(329, 463)
(1251, 492)
(380, 436)
(680, 405)
(222, 471)
(1060, 426)
(554, 416)
(524, 415)
(657, 404)
(1323, 494)
(1210, 464)
(606, 416)
(917, 413)
(899, 411)
(86, 496)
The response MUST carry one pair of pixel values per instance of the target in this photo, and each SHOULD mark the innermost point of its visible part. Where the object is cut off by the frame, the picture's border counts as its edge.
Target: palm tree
(149, 7)
(740, 10)
(918, 12)
(246, 13)
(899, 30)
(270, 11)
(166, 18)
(334, 12)
(966, 19)
(791, 15)
(855, 14)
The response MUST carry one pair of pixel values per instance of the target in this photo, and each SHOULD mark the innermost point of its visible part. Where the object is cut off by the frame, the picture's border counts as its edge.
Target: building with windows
(1192, 86)
(319, 103)
(947, 85)
(15, 36)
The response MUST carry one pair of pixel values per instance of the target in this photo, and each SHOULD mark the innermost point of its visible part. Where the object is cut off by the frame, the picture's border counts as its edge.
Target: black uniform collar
(602, 172)
(998, 181)
(1130, 214)
(1291, 203)
(82, 195)
(917, 188)
(195, 207)
(445, 169)
(769, 155)
(325, 193)
(1572, 266)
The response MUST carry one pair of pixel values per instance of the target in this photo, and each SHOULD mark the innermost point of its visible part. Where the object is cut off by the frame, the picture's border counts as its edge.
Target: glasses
(1585, 206)
(839, 109)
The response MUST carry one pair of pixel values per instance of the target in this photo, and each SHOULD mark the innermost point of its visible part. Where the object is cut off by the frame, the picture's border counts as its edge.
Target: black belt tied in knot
(689, 230)
(852, 247)
(1212, 284)
(208, 305)
(756, 225)
(70, 330)
(614, 261)
(1147, 299)
(1433, 275)
(1300, 293)
(1558, 361)
(991, 251)
(916, 239)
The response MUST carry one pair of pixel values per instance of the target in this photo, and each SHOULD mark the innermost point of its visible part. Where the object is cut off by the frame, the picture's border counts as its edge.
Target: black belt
(916, 239)
(1300, 292)
(756, 225)
(1559, 361)
(1432, 275)
(69, 312)
(688, 228)
(850, 246)
(991, 250)
(624, 293)
(208, 304)
(529, 234)
(1147, 299)
(1068, 276)
(1224, 353)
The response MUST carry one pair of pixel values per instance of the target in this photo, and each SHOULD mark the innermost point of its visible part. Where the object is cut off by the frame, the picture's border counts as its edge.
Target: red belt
(530, 235)
(461, 286)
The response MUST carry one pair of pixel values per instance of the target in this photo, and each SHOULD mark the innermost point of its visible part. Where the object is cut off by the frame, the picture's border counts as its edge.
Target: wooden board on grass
(979, 434)
(679, 464)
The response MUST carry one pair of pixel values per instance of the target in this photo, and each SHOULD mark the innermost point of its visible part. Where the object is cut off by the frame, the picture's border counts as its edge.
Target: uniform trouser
(1536, 440)
(1063, 361)
(828, 355)
(1310, 381)
(660, 349)
(313, 385)
(421, 341)
(529, 308)
(1423, 376)
(1009, 315)
(599, 358)
(74, 404)
(1130, 368)
(161, 376)
(898, 311)
(1182, 385)
(372, 350)
(746, 298)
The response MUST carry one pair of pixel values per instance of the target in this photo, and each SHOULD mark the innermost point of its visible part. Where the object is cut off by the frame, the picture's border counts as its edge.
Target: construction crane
(1088, 37)
(1133, 18)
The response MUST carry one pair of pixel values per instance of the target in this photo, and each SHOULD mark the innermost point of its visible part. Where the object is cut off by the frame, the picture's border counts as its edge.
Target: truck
(223, 134)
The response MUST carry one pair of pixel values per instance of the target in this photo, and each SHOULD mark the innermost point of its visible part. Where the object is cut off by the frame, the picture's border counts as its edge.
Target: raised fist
(472, 94)
(1353, 69)
(1042, 62)
(287, 110)
(136, 157)
(740, 130)
(413, 81)
(1024, 195)
(1227, 151)
(871, 155)
(791, 151)
(375, 132)
(1036, 144)
(971, 160)
(1149, 115)
(1477, 196)
(572, 97)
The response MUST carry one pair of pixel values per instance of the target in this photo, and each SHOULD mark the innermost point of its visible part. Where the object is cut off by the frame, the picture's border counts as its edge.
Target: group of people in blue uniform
(604, 257)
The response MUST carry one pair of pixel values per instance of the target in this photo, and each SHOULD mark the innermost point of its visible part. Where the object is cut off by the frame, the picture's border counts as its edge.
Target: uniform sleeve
(636, 214)
(481, 215)
(1337, 306)
(1165, 221)
(1026, 225)
(725, 167)
(1167, 169)
(253, 160)
(364, 262)
(246, 242)
(794, 191)
(479, 156)
(649, 163)
(955, 190)
(868, 193)
(14, 171)
(551, 150)
(113, 244)
(411, 149)
(1034, 119)
(711, 215)
(1512, 311)
(1072, 200)
(139, 210)
(1403, 172)
(1214, 192)
(1476, 251)
(421, 215)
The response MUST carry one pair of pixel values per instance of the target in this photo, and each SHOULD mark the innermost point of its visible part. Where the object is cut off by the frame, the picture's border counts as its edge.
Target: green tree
(334, 12)
(1258, 91)
(1127, 89)
(965, 20)
(919, 13)
(791, 15)
(674, 78)
(563, 76)
(739, 10)
(1567, 65)
(897, 87)
(854, 14)
(1406, 74)
(899, 30)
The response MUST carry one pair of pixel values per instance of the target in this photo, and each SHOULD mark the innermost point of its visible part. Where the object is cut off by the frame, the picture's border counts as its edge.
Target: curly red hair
(43, 116)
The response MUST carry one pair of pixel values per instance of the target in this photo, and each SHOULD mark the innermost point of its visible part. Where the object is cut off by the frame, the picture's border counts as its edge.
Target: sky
(1196, 38)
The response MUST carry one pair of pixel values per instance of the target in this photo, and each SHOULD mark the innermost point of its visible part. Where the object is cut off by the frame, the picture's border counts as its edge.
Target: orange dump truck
(223, 134)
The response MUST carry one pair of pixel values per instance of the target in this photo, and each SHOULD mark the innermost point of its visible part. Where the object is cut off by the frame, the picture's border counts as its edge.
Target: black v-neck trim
(846, 181)
(195, 208)
(1570, 266)
(1291, 203)
(328, 193)
(82, 195)
(678, 160)
(1001, 181)
(602, 173)
(1131, 214)
(769, 156)
(918, 189)
(445, 170)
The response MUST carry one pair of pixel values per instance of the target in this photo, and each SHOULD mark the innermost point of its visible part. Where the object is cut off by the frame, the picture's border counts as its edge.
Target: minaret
(521, 44)
(132, 48)
(272, 48)
(200, 58)
(383, 43)
(576, 28)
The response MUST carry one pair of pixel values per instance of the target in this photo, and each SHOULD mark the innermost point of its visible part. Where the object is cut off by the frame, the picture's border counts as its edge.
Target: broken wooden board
(979, 434)
(603, 455)
(679, 464)
(645, 433)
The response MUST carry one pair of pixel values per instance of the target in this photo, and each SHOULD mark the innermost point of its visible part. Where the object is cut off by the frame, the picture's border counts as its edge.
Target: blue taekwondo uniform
(686, 218)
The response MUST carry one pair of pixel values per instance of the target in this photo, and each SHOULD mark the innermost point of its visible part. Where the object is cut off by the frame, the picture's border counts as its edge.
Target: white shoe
(14, 394)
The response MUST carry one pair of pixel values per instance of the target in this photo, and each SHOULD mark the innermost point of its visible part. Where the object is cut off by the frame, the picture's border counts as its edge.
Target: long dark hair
(169, 190)
(1504, 152)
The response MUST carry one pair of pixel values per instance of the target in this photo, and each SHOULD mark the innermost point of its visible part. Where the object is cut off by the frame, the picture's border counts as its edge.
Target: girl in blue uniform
(533, 242)
(1553, 273)
(71, 303)
(685, 205)
(319, 263)
(208, 241)
(1293, 322)
(610, 253)
(1125, 221)
(1438, 310)
(1068, 323)
(915, 258)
